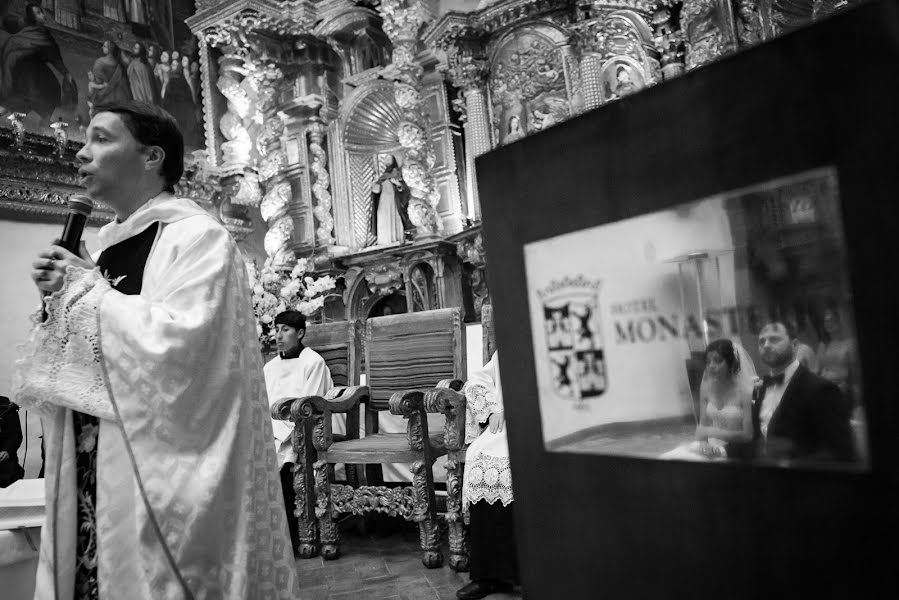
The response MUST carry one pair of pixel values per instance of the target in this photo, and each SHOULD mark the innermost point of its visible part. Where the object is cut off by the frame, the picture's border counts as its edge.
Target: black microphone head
(81, 204)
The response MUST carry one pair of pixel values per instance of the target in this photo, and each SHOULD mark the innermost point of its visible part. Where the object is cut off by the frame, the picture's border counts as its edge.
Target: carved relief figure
(27, 53)
(390, 206)
(528, 87)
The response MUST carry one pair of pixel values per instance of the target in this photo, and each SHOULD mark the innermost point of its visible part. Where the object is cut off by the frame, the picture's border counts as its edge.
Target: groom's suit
(811, 422)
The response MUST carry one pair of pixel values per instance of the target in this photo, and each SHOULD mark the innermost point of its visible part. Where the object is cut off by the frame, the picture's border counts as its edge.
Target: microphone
(80, 208)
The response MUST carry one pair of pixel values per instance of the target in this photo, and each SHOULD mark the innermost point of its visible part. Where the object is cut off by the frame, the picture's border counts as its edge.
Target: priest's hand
(51, 265)
(497, 421)
(4, 456)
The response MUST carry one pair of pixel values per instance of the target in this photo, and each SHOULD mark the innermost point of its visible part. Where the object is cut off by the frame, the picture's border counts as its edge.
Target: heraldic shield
(574, 339)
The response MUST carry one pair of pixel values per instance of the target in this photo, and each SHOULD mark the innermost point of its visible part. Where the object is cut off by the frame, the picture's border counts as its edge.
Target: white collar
(164, 207)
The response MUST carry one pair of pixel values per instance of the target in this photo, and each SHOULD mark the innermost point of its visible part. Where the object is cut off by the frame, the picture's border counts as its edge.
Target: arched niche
(629, 60)
(368, 123)
(529, 82)
(421, 288)
(394, 304)
(356, 34)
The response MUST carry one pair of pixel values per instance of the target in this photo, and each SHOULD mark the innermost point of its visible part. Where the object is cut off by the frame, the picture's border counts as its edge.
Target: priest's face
(112, 161)
(287, 338)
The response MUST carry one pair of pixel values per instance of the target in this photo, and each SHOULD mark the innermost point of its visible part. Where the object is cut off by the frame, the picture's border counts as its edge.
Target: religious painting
(620, 76)
(61, 58)
(527, 87)
(693, 333)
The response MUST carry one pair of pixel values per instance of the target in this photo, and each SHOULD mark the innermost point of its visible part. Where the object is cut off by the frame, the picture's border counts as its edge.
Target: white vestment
(189, 501)
(487, 475)
(306, 375)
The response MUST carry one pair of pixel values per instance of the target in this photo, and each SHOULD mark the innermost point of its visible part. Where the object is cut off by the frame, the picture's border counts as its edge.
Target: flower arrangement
(275, 291)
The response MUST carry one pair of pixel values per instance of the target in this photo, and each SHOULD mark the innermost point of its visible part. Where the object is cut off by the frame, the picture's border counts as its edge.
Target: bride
(725, 407)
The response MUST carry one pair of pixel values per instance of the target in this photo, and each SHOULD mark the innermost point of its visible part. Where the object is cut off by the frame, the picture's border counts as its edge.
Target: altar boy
(297, 371)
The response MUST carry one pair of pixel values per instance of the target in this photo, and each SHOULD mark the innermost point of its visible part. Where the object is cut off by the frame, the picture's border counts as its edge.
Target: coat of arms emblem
(574, 338)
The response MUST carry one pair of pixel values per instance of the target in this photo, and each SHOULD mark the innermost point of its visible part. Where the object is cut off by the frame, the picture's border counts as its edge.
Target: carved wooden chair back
(339, 344)
(411, 351)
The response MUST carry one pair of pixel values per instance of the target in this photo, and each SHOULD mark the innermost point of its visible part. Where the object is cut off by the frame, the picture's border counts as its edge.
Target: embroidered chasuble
(161, 477)
(123, 266)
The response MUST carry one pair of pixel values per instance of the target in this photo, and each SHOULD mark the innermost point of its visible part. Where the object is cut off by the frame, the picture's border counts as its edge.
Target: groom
(796, 414)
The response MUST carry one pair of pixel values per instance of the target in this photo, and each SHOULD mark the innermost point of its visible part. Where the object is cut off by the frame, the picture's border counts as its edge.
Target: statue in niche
(390, 206)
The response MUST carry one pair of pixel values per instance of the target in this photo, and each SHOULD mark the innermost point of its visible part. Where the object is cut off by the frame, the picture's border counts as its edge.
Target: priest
(161, 479)
(296, 372)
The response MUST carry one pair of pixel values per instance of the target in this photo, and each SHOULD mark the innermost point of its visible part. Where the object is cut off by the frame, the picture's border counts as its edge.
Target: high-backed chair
(447, 399)
(339, 344)
(406, 355)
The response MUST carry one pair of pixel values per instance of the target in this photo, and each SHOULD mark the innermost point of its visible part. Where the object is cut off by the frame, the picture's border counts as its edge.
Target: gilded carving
(702, 22)
(384, 278)
(749, 24)
(527, 86)
(668, 39)
(402, 21)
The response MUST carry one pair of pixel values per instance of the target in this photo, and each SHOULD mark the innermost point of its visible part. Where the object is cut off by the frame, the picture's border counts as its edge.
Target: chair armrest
(453, 384)
(345, 399)
(407, 402)
(282, 408)
(443, 399)
(452, 404)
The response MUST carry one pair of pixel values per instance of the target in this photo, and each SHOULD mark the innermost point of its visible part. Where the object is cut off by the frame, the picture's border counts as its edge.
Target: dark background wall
(594, 526)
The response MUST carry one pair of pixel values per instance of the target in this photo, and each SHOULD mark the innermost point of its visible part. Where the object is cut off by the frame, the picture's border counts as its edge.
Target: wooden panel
(339, 346)
(413, 351)
(636, 528)
(384, 448)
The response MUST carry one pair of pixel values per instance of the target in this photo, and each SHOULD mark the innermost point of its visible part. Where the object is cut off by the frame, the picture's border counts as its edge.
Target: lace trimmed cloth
(488, 474)
(61, 363)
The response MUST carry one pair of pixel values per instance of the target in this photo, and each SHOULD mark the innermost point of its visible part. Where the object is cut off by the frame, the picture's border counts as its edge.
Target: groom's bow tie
(769, 380)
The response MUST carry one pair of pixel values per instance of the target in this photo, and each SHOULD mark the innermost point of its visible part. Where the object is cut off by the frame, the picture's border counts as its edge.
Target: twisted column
(278, 192)
(324, 232)
(402, 21)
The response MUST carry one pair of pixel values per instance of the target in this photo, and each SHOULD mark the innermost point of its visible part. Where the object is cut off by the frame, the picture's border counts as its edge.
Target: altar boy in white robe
(487, 487)
(297, 371)
(161, 478)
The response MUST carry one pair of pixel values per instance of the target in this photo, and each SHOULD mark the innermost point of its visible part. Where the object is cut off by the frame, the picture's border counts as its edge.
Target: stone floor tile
(314, 593)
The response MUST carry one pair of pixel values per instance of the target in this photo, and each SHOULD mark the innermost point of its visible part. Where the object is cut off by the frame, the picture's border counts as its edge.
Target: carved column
(402, 21)
(590, 65)
(468, 72)
(278, 194)
(321, 182)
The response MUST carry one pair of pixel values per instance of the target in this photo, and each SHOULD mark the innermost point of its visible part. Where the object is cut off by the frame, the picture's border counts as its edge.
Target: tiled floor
(380, 562)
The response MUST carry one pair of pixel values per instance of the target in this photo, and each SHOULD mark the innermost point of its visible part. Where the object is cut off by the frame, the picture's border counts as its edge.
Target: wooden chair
(447, 399)
(339, 344)
(405, 355)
